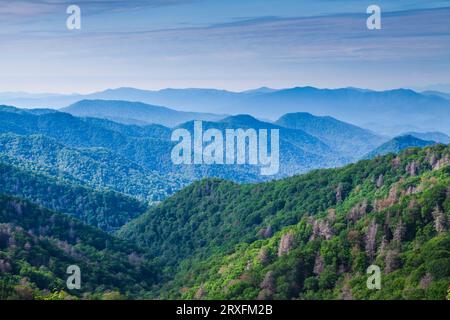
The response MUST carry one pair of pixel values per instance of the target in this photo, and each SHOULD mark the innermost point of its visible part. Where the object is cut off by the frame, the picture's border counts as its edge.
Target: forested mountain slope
(37, 246)
(106, 210)
(309, 236)
(348, 139)
(97, 168)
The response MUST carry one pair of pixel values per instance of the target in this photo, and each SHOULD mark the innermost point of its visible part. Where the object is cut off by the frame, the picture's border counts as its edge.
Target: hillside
(105, 210)
(134, 112)
(349, 140)
(97, 168)
(310, 236)
(398, 144)
(436, 136)
(37, 246)
(299, 151)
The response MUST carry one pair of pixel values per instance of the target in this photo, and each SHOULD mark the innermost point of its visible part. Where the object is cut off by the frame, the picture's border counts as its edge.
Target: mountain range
(79, 190)
(55, 142)
(135, 113)
(390, 112)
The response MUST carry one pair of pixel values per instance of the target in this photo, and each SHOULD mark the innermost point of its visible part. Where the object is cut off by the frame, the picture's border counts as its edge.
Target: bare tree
(286, 243)
(439, 220)
(371, 238)
(380, 181)
(399, 232)
(318, 264)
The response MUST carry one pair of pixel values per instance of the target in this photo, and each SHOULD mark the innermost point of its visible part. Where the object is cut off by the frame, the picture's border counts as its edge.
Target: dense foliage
(310, 236)
(106, 210)
(97, 168)
(37, 246)
(147, 149)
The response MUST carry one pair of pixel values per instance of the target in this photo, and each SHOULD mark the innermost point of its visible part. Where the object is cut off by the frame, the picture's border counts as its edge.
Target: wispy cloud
(240, 52)
(20, 8)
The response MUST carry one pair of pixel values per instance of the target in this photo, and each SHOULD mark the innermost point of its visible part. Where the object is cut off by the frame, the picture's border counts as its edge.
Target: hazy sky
(232, 44)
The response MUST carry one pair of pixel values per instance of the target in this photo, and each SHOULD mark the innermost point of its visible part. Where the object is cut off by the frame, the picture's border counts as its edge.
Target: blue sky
(231, 44)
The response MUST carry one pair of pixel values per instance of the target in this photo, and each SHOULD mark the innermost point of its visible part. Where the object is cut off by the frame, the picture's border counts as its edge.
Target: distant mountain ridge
(134, 112)
(149, 147)
(431, 136)
(388, 112)
(398, 144)
(348, 139)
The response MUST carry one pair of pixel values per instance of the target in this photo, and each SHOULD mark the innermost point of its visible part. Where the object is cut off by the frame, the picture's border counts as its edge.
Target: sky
(233, 44)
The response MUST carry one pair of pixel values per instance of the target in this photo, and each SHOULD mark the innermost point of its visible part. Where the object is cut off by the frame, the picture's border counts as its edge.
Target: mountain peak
(242, 119)
(397, 144)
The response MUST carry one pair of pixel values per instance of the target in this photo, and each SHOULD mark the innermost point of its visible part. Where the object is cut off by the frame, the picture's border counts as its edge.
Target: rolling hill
(349, 140)
(398, 144)
(310, 236)
(38, 245)
(97, 168)
(105, 210)
(148, 148)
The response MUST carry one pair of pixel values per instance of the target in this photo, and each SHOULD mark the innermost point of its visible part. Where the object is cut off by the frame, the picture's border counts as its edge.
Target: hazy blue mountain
(437, 93)
(388, 112)
(261, 90)
(384, 112)
(150, 146)
(306, 142)
(299, 151)
(107, 210)
(147, 146)
(134, 112)
(45, 100)
(431, 136)
(349, 140)
(179, 99)
(398, 144)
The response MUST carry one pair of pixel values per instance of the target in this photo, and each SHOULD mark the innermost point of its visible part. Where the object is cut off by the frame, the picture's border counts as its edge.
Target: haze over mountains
(389, 112)
(135, 112)
(92, 151)
(131, 147)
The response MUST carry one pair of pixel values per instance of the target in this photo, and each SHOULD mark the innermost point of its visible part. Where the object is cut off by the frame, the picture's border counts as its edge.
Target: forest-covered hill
(106, 210)
(38, 245)
(309, 236)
